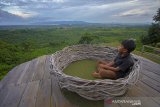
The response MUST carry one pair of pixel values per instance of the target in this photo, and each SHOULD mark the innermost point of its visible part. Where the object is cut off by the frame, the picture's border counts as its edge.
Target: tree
(156, 18)
(8, 53)
(86, 39)
(27, 45)
(153, 36)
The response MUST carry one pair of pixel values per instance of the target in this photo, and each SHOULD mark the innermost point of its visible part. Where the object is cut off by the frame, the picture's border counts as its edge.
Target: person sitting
(120, 65)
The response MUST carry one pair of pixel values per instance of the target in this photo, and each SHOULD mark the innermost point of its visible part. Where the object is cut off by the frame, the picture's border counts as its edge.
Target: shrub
(158, 45)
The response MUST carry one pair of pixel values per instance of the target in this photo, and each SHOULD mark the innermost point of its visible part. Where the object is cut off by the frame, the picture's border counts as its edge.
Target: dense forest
(21, 45)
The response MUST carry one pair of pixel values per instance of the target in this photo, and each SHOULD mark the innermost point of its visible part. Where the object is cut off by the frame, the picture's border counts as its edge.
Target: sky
(94, 11)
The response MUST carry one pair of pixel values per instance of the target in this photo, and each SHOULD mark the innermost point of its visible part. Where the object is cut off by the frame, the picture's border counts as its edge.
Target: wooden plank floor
(31, 85)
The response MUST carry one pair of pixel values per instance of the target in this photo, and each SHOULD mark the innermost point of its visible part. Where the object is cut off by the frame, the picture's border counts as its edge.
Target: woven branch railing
(91, 89)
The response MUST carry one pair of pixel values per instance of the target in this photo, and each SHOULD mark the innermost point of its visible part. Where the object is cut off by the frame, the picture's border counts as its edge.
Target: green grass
(82, 68)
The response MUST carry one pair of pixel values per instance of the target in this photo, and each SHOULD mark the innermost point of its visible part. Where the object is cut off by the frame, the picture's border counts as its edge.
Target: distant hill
(49, 24)
(86, 23)
(60, 23)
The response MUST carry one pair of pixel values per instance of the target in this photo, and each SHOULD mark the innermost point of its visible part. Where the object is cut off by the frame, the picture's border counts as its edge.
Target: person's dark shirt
(124, 63)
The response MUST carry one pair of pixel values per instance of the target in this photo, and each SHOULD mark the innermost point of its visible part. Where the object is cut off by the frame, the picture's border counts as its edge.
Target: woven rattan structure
(91, 89)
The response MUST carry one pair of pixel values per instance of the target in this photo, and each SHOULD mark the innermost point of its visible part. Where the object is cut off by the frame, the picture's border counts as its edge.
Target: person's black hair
(129, 45)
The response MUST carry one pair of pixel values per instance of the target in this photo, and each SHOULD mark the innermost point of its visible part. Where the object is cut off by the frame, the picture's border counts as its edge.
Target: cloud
(142, 12)
(102, 11)
(16, 10)
(23, 14)
(133, 12)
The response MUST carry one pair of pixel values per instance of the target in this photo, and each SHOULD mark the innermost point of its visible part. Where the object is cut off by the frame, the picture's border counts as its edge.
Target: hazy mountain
(60, 23)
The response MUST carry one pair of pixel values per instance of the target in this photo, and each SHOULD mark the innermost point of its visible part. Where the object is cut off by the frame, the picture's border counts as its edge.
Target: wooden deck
(31, 85)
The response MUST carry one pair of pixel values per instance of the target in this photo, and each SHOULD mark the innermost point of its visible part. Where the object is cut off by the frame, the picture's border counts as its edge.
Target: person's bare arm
(106, 63)
(110, 68)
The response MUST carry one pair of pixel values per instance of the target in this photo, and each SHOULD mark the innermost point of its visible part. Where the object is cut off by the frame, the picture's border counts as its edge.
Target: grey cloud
(66, 3)
(103, 11)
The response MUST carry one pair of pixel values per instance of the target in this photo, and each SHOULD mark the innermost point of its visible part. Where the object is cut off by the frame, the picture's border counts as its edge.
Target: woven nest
(91, 89)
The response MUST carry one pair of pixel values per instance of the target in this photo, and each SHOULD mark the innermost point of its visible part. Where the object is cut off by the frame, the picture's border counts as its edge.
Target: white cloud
(133, 12)
(45, 1)
(19, 12)
(57, 1)
(6, 3)
(142, 8)
(117, 5)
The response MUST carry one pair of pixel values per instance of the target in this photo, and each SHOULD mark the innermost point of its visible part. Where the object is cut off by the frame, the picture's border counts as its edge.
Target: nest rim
(120, 81)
